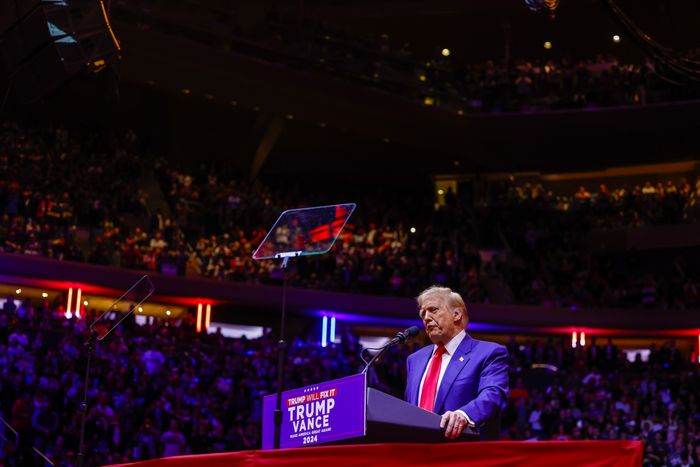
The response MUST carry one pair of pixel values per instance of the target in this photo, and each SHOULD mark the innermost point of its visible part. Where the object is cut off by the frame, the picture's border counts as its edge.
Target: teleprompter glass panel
(305, 231)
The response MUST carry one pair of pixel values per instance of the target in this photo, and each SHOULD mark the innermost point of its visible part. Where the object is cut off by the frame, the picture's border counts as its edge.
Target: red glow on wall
(96, 290)
(78, 303)
(69, 314)
(208, 319)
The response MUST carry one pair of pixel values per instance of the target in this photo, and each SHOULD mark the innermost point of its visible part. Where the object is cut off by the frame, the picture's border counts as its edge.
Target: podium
(393, 420)
(346, 411)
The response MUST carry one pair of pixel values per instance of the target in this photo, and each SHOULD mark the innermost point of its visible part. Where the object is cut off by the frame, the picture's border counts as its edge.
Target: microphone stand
(90, 344)
(379, 354)
(90, 348)
(400, 338)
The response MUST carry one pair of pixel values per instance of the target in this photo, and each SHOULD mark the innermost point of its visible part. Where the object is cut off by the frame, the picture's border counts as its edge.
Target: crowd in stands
(554, 267)
(519, 85)
(49, 180)
(646, 204)
(155, 390)
(160, 389)
(79, 198)
(597, 393)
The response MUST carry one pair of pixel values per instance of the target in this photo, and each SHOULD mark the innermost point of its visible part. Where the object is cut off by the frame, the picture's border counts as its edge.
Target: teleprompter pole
(281, 356)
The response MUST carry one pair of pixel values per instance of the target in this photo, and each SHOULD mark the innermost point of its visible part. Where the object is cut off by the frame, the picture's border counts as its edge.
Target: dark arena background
(538, 157)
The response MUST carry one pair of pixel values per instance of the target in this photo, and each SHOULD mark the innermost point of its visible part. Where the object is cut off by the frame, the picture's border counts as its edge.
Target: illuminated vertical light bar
(78, 303)
(68, 314)
(324, 335)
(582, 341)
(332, 329)
(698, 348)
(573, 340)
(208, 318)
(199, 317)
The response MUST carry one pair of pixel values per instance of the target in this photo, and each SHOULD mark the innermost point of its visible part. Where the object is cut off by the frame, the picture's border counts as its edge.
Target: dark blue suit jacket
(475, 381)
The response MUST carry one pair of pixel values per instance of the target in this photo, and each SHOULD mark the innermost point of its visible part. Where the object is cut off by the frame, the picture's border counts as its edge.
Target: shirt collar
(451, 346)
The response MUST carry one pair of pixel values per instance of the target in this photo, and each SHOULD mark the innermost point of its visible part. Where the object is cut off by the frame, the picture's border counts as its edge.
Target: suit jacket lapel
(453, 369)
(422, 361)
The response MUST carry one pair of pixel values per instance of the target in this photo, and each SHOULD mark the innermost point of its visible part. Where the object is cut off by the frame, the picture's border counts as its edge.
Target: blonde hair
(448, 296)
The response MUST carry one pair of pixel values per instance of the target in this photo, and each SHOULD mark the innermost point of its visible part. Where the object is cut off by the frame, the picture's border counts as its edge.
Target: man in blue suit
(464, 379)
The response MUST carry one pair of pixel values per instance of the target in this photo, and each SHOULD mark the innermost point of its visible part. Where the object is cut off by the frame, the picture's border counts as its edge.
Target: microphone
(400, 338)
(404, 336)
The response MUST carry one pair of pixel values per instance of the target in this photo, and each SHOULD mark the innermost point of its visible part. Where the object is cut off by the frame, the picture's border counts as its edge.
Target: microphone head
(412, 332)
(407, 335)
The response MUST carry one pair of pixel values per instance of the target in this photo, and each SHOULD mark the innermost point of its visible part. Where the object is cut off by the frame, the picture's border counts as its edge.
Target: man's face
(441, 323)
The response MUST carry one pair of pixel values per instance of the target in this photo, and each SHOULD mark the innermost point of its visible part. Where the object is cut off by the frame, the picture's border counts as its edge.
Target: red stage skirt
(538, 453)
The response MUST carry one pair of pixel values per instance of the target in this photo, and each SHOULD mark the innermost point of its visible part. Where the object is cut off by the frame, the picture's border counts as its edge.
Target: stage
(540, 453)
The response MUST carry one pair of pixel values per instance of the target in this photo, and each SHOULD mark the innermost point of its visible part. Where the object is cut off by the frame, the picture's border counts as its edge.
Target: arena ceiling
(479, 30)
(208, 100)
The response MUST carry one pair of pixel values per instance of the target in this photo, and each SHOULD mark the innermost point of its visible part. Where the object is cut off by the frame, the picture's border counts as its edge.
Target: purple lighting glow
(399, 322)
(324, 336)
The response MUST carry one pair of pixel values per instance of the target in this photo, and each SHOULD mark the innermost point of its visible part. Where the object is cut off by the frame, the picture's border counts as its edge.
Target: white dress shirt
(450, 349)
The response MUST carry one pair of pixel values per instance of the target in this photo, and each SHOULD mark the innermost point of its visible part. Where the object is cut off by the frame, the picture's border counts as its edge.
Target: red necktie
(427, 396)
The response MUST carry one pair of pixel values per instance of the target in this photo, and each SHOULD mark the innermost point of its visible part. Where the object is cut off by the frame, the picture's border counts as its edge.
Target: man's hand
(454, 423)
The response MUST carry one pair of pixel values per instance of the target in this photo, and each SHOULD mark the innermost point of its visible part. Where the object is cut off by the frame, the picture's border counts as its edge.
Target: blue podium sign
(320, 413)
